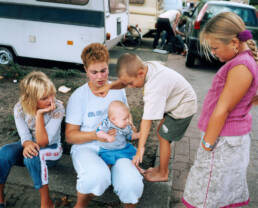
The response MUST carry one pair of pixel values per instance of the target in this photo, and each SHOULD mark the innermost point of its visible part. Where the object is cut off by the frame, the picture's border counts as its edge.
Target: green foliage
(66, 73)
(11, 131)
(12, 71)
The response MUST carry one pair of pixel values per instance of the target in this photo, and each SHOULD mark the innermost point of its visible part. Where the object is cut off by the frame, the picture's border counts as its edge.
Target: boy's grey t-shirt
(166, 91)
(121, 135)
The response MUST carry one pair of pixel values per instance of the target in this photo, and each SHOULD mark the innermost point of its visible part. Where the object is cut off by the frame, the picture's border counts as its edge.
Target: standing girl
(38, 117)
(218, 175)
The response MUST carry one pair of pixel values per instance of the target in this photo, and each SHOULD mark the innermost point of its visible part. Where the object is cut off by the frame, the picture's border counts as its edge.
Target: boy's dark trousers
(163, 24)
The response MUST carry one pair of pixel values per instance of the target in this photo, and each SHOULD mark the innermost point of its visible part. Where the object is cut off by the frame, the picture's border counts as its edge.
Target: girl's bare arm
(238, 81)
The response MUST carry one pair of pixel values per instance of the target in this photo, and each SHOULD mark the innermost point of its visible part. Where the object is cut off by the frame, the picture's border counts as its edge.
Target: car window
(197, 10)
(248, 15)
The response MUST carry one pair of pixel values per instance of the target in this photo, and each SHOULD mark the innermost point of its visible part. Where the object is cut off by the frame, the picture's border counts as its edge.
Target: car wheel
(190, 58)
(6, 56)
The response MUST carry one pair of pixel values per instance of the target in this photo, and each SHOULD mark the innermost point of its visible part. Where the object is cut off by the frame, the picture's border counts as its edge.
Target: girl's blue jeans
(11, 154)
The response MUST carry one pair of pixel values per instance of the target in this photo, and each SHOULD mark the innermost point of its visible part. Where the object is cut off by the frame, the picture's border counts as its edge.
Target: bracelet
(207, 145)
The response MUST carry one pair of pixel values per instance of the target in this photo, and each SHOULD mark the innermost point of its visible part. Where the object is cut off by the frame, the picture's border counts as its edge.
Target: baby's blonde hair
(129, 63)
(224, 27)
(33, 87)
(115, 105)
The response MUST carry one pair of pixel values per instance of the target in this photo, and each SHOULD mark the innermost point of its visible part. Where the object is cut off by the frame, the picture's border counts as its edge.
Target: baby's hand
(135, 135)
(110, 138)
(106, 137)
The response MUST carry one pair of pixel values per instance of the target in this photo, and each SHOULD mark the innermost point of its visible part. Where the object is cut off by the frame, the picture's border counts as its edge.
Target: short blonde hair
(224, 27)
(115, 105)
(129, 63)
(94, 53)
(33, 87)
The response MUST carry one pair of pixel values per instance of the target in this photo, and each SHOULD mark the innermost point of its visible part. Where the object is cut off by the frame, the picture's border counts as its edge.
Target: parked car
(205, 11)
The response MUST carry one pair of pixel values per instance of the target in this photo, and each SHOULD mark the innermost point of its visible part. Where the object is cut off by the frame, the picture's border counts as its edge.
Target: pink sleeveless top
(239, 121)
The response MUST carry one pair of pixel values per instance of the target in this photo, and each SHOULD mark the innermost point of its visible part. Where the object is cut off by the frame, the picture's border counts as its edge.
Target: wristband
(207, 145)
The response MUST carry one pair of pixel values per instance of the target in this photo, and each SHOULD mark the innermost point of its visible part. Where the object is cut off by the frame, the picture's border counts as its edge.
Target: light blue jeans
(94, 176)
(11, 154)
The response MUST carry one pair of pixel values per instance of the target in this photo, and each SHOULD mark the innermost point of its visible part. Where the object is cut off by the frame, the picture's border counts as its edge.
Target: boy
(167, 97)
(117, 147)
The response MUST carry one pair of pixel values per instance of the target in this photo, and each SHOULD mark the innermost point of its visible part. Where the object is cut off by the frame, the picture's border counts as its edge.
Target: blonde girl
(218, 175)
(38, 117)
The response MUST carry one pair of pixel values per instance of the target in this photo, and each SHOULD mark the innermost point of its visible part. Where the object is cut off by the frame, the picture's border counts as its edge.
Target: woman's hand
(30, 149)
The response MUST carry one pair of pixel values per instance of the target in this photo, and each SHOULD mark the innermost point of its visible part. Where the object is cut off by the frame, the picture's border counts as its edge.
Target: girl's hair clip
(245, 35)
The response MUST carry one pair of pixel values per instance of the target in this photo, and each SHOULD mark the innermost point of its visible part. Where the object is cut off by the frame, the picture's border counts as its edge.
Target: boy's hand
(137, 159)
(103, 91)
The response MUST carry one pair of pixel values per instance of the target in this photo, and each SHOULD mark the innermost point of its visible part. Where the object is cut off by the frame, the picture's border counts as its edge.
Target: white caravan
(59, 29)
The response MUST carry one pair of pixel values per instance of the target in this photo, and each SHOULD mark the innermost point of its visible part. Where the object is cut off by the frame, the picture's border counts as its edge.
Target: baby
(117, 146)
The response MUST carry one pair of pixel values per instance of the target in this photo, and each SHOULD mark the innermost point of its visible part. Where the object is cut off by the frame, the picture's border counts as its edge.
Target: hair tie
(245, 35)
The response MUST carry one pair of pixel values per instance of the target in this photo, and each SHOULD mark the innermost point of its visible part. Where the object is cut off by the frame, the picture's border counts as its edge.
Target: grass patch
(66, 74)
(11, 129)
(137, 112)
(13, 71)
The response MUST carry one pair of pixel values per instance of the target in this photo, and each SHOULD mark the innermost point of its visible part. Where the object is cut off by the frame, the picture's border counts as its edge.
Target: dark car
(205, 11)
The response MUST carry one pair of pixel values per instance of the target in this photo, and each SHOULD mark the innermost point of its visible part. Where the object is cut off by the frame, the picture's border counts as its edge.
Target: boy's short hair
(129, 63)
(94, 53)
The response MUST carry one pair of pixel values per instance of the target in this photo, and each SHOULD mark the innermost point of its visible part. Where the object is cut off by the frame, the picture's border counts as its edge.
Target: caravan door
(116, 21)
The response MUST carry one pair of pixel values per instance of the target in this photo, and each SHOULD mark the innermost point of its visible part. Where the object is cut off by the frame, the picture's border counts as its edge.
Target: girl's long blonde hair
(224, 27)
(33, 87)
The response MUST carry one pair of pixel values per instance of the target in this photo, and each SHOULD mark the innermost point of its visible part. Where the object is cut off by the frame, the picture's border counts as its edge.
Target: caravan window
(136, 1)
(57, 15)
(117, 6)
(76, 2)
